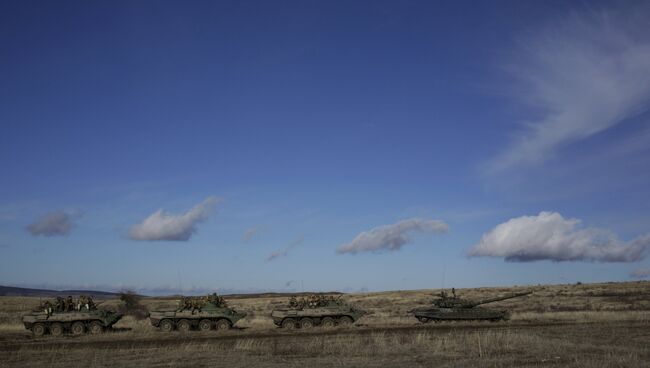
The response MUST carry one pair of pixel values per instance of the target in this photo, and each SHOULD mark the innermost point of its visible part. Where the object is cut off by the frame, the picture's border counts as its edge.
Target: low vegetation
(586, 325)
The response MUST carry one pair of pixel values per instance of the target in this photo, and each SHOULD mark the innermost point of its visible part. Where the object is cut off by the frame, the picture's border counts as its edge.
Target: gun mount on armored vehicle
(447, 308)
(316, 310)
(202, 313)
(66, 316)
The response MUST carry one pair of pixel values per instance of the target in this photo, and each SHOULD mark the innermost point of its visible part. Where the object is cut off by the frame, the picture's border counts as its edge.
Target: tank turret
(453, 302)
(455, 308)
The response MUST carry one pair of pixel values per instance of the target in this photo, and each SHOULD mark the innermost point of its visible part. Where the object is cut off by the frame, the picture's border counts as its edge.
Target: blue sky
(323, 145)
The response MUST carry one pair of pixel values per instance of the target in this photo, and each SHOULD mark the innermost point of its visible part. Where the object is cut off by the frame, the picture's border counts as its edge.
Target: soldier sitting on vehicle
(85, 302)
(302, 303)
(317, 300)
(184, 303)
(68, 305)
(47, 308)
(196, 304)
(59, 304)
(216, 300)
(293, 302)
(90, 303)
(82, 302)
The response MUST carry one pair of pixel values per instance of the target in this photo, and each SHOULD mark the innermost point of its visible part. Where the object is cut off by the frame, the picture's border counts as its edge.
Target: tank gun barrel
(496, 299)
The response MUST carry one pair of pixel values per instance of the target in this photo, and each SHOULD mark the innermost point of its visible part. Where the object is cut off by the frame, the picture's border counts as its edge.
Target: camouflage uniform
(216, 300)
(197, 304)
(302, 303)
(293, 303)
(59, 305)
(47, 308)
(69, 304)
(91, 303)
(313, 301)
(82, 302)
(184, 303)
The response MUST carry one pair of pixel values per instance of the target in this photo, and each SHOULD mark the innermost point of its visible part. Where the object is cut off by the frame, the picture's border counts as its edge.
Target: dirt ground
(595, 325)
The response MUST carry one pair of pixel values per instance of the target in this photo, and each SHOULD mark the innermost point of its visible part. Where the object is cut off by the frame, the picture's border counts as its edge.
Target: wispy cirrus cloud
(249, 234)
(549, 236)
(640, 273)
(391, 237)
(285, 251)
(56, 223)
(162, 225)
(581, 75)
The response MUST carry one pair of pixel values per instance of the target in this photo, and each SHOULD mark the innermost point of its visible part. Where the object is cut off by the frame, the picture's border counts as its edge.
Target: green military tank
(203, 314)
(316, 310)
(447, 308)
(74, 319)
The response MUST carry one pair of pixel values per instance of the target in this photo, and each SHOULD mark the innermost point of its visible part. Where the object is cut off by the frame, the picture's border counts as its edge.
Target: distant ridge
(260, 295)
(19, 291)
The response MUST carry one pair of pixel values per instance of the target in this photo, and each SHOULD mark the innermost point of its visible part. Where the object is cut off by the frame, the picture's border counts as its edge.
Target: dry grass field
(590, 325)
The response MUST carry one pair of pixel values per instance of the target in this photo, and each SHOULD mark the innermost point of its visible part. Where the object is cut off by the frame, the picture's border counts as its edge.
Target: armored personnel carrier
(447, 308)
(203, 314)
(316, 311)
(77, 321)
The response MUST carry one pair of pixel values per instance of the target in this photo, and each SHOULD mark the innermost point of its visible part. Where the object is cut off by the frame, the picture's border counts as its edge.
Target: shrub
(131, 305)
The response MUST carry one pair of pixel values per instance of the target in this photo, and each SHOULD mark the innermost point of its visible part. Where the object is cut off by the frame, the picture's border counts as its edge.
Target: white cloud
(391, 237)
(57, 223)
(284, 251)
(641, 273)
(549, 236)
(581, 76)
(161, 225)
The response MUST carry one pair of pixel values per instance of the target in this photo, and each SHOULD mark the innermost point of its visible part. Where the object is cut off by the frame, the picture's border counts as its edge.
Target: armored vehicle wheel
(289, 323)
(205, 325)
(345, 321)
(166, 325)
(78, 328)
(56, 329)
(38, 329)
(222, 325)
(327, 322)
(96, 327)
(184, 325)
(423, 319)
(306, 323)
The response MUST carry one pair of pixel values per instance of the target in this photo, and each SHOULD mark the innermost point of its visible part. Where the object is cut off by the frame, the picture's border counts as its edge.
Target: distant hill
(18, 291)
(258, 295)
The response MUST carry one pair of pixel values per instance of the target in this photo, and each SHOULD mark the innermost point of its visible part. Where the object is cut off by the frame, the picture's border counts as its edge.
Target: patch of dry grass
(593, 325)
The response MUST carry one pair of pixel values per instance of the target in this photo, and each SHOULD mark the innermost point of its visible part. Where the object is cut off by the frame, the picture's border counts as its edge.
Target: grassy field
(591, 325)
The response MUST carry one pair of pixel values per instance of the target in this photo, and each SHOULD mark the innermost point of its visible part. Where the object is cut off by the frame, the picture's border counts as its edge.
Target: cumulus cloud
(580, 76)
(57, 223)
(162, 225)
(391, 237)
(641, 273)
(284, 251)
(549, 236)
